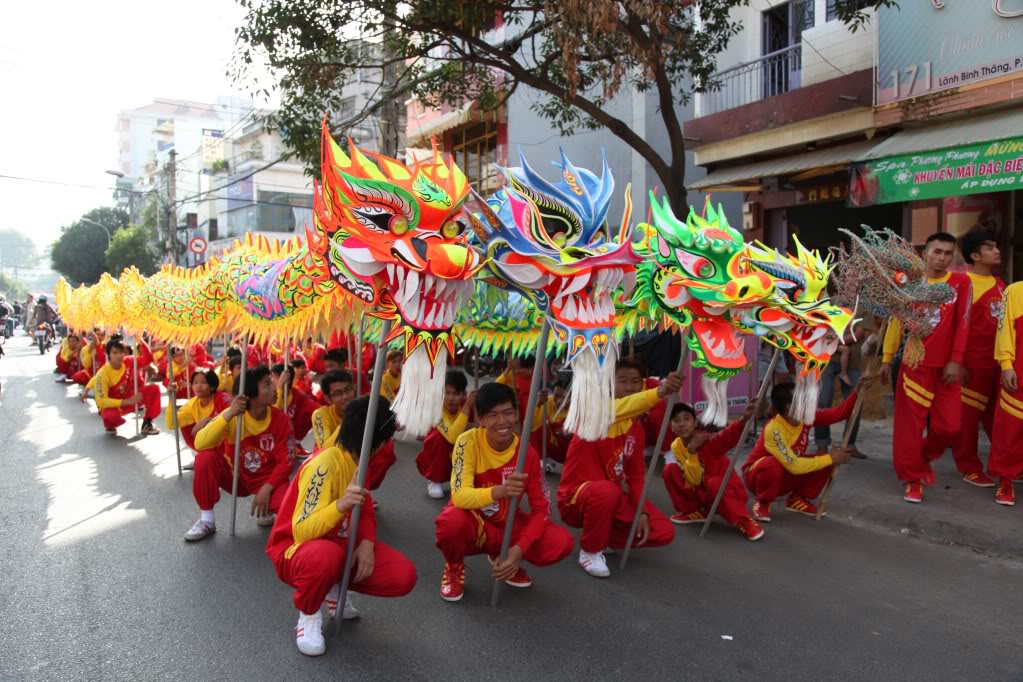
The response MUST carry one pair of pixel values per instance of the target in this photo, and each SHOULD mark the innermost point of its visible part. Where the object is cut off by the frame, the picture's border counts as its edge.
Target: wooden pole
(358, 358)
(364, 454)
(238, 435)
(661, 434)
(872, 369)
(764, 383)
(520, 464)
(135, 369)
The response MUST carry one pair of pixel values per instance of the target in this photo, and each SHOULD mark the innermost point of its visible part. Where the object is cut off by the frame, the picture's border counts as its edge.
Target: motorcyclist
(43, 313)
(6, 317)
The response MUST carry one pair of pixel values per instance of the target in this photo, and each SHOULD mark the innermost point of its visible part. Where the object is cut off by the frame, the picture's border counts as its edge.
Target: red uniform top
(314, 359)
(201, 357)
(947, 343)
(265, 451)
(984, 315)
(618, 458)
(652, 419)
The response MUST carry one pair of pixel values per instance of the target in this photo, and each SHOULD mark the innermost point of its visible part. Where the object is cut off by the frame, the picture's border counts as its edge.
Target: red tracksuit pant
(82, 377)
(459, 535)
(604, 512)
(924, 400)
(557, 445)
(768, 480)
(112, 416)
(213, 473)
(434, 460)
(978, 404)
(1006, 460)
(316, 567)
(379, 463)
(687, 498)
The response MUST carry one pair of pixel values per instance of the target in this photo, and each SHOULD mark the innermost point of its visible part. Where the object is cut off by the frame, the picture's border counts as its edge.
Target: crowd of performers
(968, 377)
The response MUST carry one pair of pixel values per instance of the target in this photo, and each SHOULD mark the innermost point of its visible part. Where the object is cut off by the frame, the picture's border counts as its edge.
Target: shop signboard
(925, 47)
(955, 171)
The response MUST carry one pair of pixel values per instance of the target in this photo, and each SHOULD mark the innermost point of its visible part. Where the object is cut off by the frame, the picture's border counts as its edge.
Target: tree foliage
(576, 55)
(14, 289)
(17, 250)
(132, 246)
(79, 254)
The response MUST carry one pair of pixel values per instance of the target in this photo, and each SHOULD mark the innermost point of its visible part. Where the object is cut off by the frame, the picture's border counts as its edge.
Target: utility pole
(172, 222)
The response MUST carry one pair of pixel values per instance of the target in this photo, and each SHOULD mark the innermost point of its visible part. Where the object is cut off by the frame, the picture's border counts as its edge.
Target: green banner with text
(973, 169)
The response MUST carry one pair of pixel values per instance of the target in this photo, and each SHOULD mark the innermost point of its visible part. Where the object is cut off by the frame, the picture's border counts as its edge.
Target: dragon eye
(559, 238)
(399, 226)
(695, 266)
(901, 278)
(451, 229)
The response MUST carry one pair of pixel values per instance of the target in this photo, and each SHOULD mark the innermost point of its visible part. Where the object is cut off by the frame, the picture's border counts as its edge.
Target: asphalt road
(99, 585)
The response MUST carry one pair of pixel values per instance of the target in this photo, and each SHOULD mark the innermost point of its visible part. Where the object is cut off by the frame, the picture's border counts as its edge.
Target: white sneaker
(267, 520)
(349, 612)
(200, 530)
(593, 563)
(435, 490)
(309, 634)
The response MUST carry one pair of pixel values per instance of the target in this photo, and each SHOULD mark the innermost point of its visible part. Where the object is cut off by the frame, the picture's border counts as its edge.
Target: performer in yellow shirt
(339, 388)
(434, 460)
(309, 540)
(391, 381)
(483, 481)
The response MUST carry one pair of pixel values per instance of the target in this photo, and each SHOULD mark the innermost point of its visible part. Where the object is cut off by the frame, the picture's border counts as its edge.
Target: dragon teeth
(629, 282)
(574, 284)
(441, 286)
(401, 276)
(569, 311)
(427, 284)
(390, 272)
(422, 309)
(428, 322)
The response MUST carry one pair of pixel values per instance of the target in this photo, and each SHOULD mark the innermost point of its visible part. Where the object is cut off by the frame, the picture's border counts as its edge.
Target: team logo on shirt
(266, 442)
(996, 309)
(252, 461)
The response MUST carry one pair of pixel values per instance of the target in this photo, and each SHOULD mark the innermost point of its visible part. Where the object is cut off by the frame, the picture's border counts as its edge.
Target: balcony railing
(772, 74)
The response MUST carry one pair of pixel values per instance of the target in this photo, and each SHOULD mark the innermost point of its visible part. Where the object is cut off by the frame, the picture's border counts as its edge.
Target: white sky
(67, 67)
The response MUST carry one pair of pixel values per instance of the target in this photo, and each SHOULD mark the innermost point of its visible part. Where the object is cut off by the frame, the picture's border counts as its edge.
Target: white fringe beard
(804, 398)
(716, 392)
(420, 398)
(591, 409)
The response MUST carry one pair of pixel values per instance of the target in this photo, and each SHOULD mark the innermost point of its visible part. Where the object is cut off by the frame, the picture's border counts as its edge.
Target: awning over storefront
(747, 176)
(994, 125)
(418, 133)
(918, 164)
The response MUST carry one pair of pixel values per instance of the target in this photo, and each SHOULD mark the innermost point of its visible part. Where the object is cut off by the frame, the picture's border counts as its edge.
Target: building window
(283, 211)
(474, 148)
(854, 4)
(211, 230)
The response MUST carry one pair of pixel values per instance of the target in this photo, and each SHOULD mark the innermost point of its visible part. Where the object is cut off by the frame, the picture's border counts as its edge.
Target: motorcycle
(42, 338)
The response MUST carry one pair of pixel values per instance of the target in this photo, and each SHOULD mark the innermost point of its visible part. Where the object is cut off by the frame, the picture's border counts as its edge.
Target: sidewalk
(953, 512)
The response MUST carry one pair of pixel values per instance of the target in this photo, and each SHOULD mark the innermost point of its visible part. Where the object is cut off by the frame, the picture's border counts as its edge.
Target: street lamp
(116, 174)
(101, 226)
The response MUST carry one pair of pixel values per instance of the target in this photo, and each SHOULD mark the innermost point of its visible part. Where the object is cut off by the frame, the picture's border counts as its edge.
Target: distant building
(911, 123)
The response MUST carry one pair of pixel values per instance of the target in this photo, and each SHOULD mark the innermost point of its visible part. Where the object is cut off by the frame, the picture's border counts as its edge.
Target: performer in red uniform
(778, 464)
(314, 353)
(929, 395)
(206, 403)
(265, 459)
(556, 412)
(69, 358)
(483, 481)
(1006, 460)
(434, 460)
(591, 495)
(309, 541)
(695, 467)
(184, 367)
(980, 383)
(300, 405)
(115, 388)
